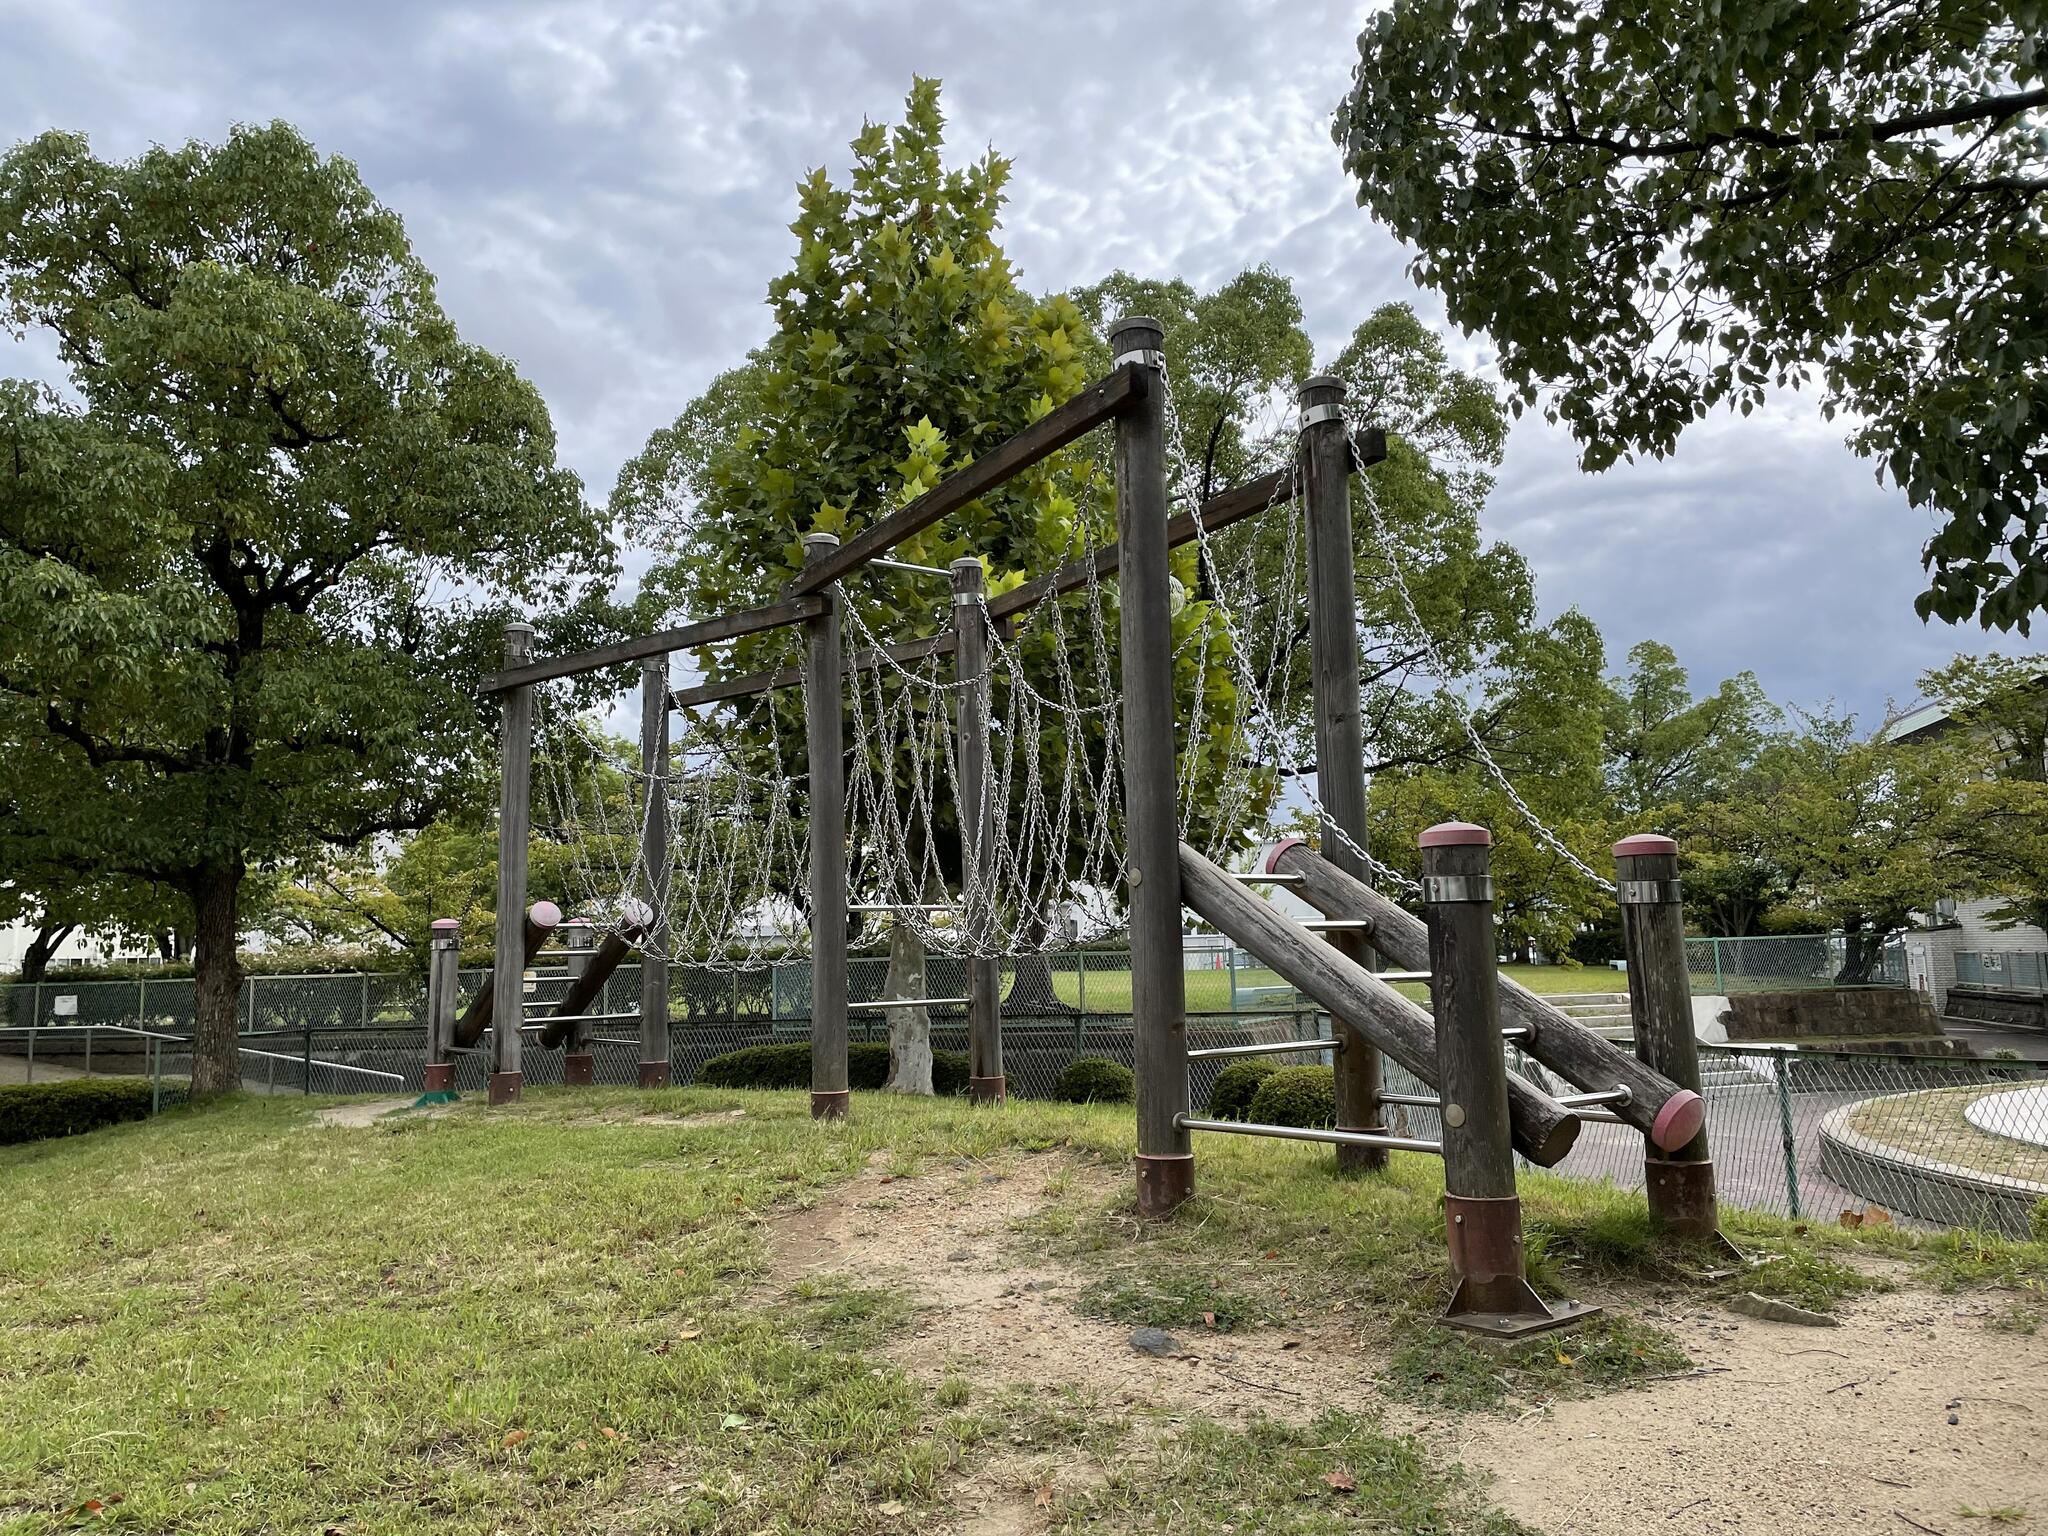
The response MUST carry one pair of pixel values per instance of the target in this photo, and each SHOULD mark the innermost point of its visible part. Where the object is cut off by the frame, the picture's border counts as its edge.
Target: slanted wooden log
(541, 919)
(1543, 1129)
(1657, 1106)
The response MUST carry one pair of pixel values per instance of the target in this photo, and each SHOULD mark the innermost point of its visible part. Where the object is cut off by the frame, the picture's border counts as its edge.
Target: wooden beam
(789, 677)
(727, 626)
(1088, 410)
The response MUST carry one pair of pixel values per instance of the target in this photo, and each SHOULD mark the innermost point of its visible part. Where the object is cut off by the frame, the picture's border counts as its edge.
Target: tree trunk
(1862, 951)
(35, 960)
(217, 981)
(1031, 990)
(170, 945)
(910, 1029)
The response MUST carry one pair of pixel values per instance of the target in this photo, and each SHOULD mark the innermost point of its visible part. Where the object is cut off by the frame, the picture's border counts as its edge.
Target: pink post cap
(545, 914)
(635, 913)
(1455, 834)
(1644, 843)
(1272, 860)
(1679, 1120)
(443, 924)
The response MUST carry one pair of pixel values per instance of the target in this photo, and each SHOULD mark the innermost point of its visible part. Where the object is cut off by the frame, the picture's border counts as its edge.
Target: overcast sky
(604, 190)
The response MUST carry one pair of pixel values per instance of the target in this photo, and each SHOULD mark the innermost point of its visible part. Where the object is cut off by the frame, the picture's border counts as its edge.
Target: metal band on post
(1678, 1182)
(654, 862)
(825, 742)
(977, 812)
(444, 959)
(1166, 1162)
(1340, 743)
(1482, 1211)
(579, 1067)
(515, 813)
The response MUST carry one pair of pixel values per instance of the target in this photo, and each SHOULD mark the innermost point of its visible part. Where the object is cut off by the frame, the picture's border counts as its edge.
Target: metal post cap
(1455, 834)
(545, 914)
(1644, 843)
(1272, 860)
(821, 541)
(1323, 389)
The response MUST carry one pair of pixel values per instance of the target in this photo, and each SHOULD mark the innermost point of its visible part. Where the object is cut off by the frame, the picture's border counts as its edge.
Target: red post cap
(545, 914)
(1285, 843)
(1644, 843)
(1454, 834)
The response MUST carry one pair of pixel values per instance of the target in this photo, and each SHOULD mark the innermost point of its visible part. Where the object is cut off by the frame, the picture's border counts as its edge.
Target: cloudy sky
(604, 190)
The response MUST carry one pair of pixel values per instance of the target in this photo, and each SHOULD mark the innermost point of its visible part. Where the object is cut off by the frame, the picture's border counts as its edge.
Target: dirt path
(1790, 1429)
(1795, 1430)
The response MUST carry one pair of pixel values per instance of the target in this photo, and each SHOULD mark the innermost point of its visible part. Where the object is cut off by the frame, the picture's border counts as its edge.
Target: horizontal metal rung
(1420, 1100)
(905, 565)
(1616, 1095)
(914, 1002)
(1424, 976)
(1319, 924)
(1306, 1133)
(1277, 1048)
(1518, 1032)
(1268, 879)
(589, 1018)
(904, 906)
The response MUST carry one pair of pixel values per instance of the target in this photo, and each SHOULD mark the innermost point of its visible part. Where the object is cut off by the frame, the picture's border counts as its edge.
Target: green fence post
(366, 999)
(31, 1077)
(1230, 964)
(306, 1070)
(1720, 989)
(1784, 1077)
(1083, 1005)
(156, 1077)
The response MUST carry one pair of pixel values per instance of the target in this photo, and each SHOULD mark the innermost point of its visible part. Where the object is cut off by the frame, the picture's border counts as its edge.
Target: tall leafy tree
(1668, 750)
(1661, 207)
(903, 347)
(254, 561)
(1999, 705)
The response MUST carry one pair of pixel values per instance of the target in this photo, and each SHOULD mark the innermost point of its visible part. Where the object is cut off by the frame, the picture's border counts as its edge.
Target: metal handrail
(1309, 1133)
(1267, 1048)
(332, 1066)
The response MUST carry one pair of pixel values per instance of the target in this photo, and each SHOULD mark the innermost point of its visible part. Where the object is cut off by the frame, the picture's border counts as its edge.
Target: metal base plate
(579, 1069)
(1520, 1325)
(830, 1106)
(505, 1087)
(435, 1096)
(987, 1090)
(1165, 1180)
(653, 1074)
(440, 1077)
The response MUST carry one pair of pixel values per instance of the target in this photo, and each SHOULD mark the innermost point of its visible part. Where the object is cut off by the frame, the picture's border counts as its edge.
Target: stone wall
(1831, 1013)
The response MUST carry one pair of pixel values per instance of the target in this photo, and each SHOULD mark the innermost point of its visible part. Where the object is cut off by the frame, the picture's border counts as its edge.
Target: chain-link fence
(1780, 962)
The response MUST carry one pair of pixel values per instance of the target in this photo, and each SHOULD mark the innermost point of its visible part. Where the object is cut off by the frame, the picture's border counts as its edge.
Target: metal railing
(2019, 970)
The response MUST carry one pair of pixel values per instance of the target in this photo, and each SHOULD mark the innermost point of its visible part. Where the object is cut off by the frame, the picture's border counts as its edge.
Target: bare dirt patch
(1795, 1429)
(363, 1113)
(997, 1314)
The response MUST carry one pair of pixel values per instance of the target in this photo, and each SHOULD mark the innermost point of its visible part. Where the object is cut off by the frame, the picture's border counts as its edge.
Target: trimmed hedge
(789, 1066)
(1297, 1096)
(71, 1107)
(1095, 1080)
(1230, 1097)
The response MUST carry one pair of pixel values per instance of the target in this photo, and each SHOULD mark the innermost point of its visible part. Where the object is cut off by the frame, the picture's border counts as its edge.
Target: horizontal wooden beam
(1088, 410)
(727, 626)
(789, 677)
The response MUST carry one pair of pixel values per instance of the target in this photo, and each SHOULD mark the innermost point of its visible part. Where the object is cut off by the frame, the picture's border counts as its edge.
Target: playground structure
(1488, 1114)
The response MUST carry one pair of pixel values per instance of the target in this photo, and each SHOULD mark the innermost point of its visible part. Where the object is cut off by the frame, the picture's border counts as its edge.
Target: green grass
(557, 1318)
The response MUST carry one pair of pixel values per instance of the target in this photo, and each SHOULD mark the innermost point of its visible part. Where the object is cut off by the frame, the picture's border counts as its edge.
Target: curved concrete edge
(1933, 1191)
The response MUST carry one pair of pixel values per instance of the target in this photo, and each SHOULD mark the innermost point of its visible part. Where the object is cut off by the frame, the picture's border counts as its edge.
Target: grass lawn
(558, 1318)
(1107, 990)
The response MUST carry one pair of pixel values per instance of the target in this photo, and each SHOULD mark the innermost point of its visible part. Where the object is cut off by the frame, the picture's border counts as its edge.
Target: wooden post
(1680, 1181)
(824, 736)
(977, 812)
(579, 1067)
(1340, 743)
(515, 814)
(1166, 1160)
(1482, 1212)
(654, 861)
(444, 958)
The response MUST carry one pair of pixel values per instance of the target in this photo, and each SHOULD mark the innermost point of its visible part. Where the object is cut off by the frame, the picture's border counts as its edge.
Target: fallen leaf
(1877, 1216)
(609, 1434)
(691, 1333)
(1272, 1253)
(1562, 1357)
(1852, 1219)
(516, 1437)
(582, 1445)
(1209, 1318)
(1043, 1498)
(1291, 1344)
(732, 1421)
(892, 1509)
(1341, 1480)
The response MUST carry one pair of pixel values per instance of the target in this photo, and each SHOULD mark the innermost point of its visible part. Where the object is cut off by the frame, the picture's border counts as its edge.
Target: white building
(80, 948)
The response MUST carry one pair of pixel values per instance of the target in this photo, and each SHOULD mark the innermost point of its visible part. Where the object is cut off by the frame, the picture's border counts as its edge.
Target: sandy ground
(1788, 1429)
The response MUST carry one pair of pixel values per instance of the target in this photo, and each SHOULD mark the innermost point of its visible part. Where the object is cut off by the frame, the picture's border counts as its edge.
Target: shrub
(38, 1111)
(1094, 1080)
(1230, 1098)
(789, 1066)
(1298, 1096)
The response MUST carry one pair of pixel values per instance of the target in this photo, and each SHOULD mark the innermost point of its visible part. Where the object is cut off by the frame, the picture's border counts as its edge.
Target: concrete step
(1563, 998)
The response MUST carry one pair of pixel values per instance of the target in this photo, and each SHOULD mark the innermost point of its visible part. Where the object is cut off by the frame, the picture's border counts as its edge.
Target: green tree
(1660, 208)
(224, 625)
(1668, 751)
(2000, 704)
(903, 348)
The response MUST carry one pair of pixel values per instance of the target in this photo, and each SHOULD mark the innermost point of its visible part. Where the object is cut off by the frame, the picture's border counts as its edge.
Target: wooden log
(1543, 1128)
(1472, 1077)
(1088, 410)
(977, 812)
(1340, 743)
(655, 874)
(1166, 1163)
(825, 741)
(587, 983)
(1657, 1106)
(515, 825)
(727, 626)
(1680, 1184)
(540, 921)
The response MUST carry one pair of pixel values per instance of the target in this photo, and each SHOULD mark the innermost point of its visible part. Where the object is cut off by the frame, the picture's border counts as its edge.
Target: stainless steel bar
(906, 565)
(1304, 1133)
(1320, 924)
(1274, 1048)
(1259, 879)
(913, 1002)
(903, 906)
(1618, 1095)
